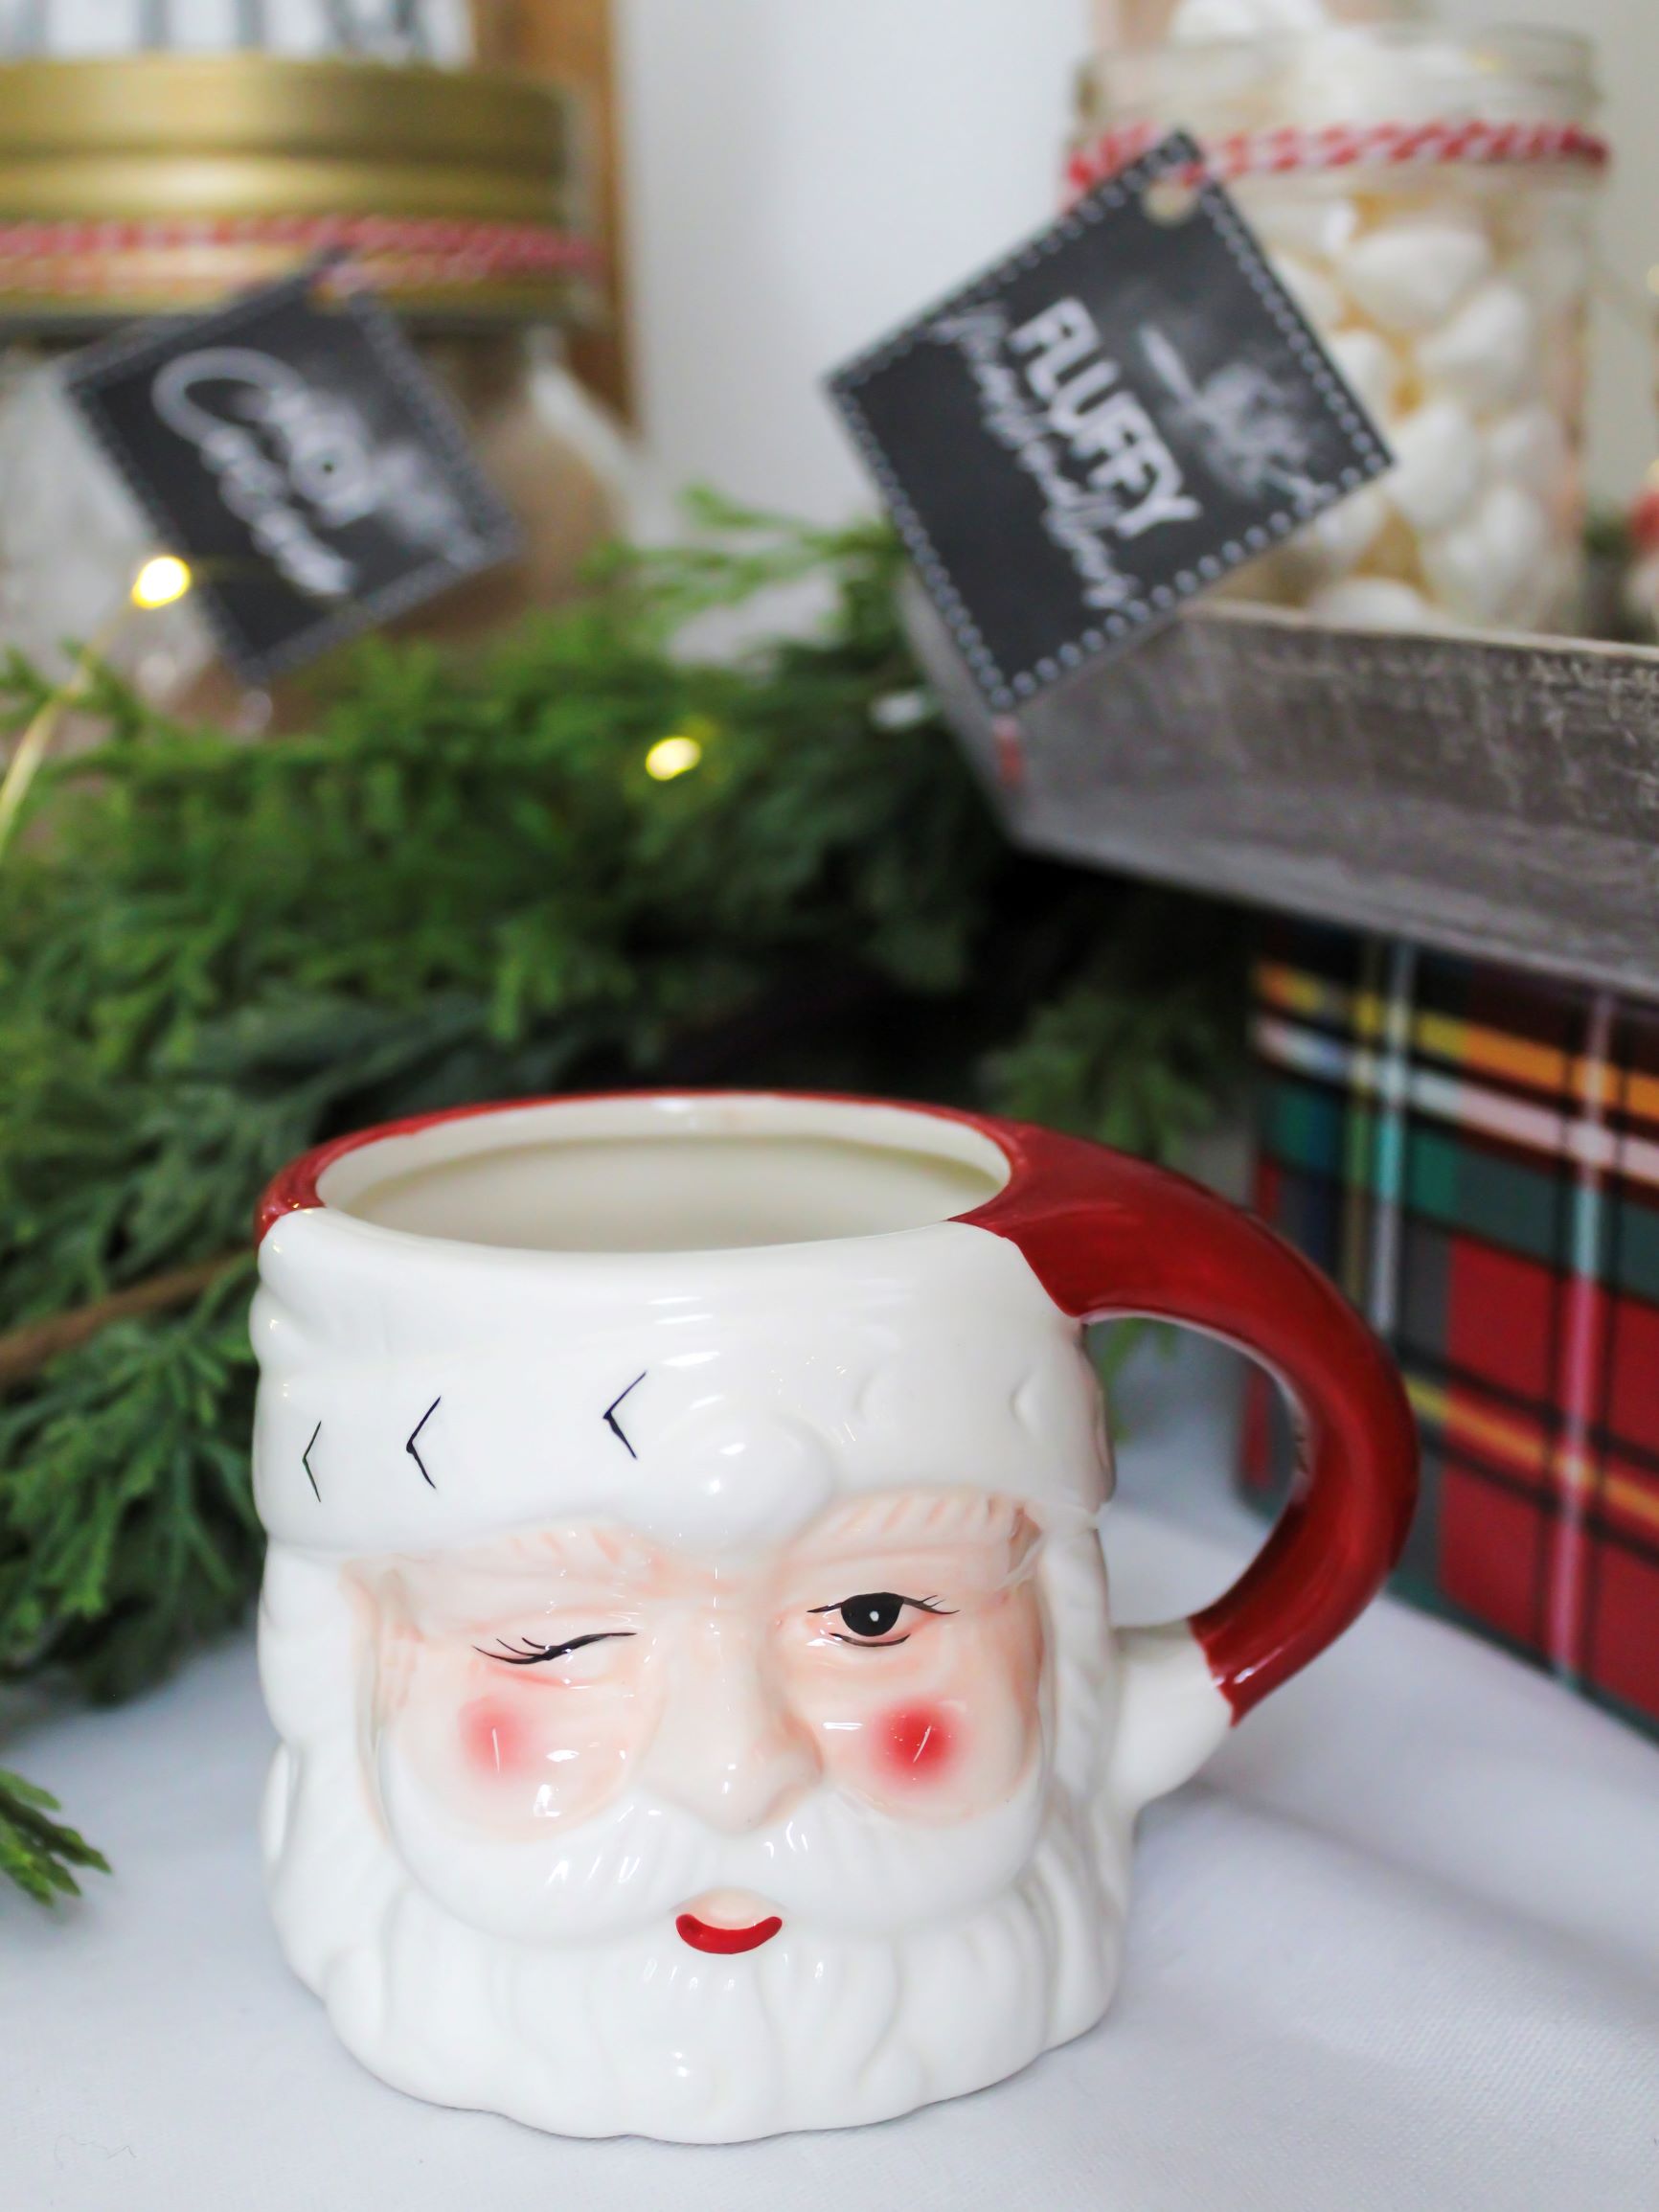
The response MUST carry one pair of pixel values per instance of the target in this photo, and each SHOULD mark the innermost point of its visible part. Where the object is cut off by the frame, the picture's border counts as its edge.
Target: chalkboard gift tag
(293, 449)
(1105, 425)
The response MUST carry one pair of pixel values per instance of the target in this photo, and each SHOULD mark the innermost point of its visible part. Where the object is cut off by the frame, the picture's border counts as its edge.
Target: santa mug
(685, 1618)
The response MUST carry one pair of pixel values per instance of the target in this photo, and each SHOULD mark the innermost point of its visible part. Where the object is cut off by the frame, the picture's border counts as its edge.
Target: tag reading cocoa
(295, 452)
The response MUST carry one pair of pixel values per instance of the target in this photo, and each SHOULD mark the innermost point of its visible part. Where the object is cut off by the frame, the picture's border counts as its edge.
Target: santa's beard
(826, 2025)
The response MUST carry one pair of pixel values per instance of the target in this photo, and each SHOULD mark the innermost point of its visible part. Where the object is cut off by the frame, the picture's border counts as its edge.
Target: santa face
(796, 1841)
(580, 1733)
(685, 1619)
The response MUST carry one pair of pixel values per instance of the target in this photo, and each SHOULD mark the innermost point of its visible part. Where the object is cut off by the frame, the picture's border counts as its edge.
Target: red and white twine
(86, 258)
(1296, 149)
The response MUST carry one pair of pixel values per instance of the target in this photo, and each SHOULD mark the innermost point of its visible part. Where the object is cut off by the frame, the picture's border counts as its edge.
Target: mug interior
(668, 1174)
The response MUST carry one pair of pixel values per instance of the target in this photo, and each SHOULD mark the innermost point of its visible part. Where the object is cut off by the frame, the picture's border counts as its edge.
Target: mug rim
(986, 1141)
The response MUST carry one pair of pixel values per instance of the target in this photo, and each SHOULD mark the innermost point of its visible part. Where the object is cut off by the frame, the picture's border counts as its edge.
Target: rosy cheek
(915, 1744)
(494, 1738)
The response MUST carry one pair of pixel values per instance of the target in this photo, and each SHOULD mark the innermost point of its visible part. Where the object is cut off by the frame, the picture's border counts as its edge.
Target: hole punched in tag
(1173, 200)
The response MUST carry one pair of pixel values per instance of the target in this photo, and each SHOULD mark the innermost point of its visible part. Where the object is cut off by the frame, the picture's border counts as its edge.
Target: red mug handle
(1108, 1236)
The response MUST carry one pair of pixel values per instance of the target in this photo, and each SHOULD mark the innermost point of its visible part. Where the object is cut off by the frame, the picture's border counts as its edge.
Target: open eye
(870, 1617)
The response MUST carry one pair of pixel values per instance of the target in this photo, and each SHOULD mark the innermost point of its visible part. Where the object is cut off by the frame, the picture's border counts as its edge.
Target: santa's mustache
(832, 1862)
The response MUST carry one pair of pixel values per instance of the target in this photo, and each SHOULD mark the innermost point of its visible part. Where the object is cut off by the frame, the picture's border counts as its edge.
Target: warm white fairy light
(160, 581)
(672, 757)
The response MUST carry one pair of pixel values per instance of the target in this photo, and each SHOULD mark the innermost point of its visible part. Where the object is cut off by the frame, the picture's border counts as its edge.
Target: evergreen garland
(464, 884)
(35, 1851)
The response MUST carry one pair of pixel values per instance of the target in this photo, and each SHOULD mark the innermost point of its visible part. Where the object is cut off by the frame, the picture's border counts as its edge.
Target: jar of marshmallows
(164, 183)
(1428, 199)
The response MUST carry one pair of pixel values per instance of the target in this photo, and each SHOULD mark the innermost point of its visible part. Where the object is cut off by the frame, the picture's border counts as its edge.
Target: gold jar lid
(160, 182)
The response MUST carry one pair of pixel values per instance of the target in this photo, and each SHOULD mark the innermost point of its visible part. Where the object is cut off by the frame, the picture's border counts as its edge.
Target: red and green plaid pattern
(1474, 1157)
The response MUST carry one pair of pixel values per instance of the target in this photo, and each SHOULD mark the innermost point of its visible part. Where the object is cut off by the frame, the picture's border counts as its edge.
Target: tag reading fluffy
(1102, 425)
(302, 460)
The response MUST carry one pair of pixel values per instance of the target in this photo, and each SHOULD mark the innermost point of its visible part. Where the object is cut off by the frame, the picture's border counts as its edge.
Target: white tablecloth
(1398, 1949)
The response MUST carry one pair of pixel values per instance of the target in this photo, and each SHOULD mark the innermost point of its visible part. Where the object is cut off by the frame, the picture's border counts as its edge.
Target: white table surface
(1398, 1949)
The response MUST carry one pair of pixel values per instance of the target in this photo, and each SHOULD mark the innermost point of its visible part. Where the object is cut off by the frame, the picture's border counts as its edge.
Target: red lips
(702, 1935)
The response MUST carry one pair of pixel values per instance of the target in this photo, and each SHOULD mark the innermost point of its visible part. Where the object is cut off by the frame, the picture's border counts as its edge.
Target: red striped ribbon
(54, 256)
(1295, 148)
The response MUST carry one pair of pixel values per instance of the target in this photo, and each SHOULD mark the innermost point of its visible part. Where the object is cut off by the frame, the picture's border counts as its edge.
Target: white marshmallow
(1371, 366)
(1529, 446)
(1375, 603)
(1521, 530)
(1459, 573)
(1194, 21)
(1437, 472)
(1341, 537)
(1410, 276)
(1300, 221)
(1485, 354)
(1349, 75)
(1476, 569)
(1309, 288)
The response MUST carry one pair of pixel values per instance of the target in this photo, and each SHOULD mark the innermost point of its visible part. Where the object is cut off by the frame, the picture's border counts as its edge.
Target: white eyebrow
(538, 1557)
(920, 1516)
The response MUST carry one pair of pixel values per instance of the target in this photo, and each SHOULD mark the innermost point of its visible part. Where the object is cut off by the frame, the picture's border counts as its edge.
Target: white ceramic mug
(685, 1618)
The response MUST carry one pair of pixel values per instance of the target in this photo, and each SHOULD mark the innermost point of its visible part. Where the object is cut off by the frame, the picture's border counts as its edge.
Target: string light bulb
(672, 757)
(161, 581)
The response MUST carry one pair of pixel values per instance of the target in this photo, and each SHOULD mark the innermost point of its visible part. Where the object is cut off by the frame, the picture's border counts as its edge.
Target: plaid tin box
(1474, 1155)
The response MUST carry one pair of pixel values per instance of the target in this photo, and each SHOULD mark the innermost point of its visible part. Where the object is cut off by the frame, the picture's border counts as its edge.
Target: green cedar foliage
(463, 883)
(35, 1851)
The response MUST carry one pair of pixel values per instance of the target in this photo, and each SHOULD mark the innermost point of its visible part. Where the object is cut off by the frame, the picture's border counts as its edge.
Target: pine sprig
(129, 1531)
(35, 1851)
(1135, 1047)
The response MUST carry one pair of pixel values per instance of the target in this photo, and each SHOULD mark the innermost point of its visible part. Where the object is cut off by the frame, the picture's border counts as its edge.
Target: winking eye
(532, 1654)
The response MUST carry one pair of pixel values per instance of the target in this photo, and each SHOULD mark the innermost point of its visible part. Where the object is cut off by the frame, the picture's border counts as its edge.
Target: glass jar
(449, 193)
(1428, 199)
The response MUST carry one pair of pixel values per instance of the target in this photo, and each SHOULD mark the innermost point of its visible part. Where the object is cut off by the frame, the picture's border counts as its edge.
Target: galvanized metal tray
(1481, 793)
